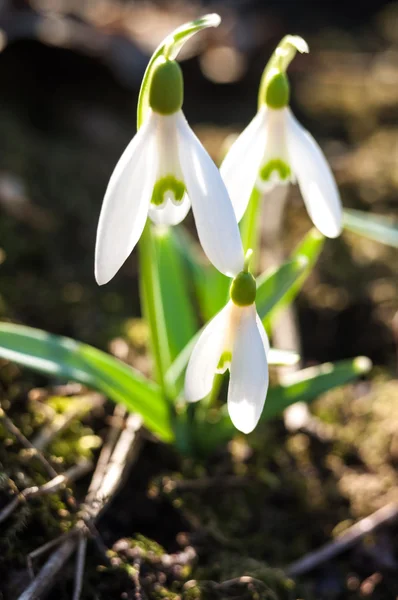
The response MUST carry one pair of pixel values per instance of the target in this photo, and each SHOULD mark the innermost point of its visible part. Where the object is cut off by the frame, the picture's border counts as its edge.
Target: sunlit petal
(206, 355)
(315, 178)
(240, 167)
(125, 206)
(263, 334)
(275, 168)
(214, 215)
(249, 373)
(170, 213)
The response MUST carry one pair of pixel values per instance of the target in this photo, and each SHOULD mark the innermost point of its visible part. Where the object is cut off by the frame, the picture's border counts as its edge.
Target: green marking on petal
(225, 361)
(277, 165)
(167, 184)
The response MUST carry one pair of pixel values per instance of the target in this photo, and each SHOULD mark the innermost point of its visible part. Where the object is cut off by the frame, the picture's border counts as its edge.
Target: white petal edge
(263, 334)
(214, 215)
(248, 383)
(205, 356)
(241, 165)
(315, 178)
(125, 207)
(170, 213)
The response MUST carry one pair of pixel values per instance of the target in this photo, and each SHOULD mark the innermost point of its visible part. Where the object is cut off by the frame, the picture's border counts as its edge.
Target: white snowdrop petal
(263, 334)
(206, 356)
(249, 373)
(125, 206)
(315, 178)
(241, 165)
(170, 213)
(214, 215)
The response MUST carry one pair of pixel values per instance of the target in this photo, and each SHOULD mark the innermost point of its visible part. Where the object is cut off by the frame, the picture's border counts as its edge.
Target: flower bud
(166, 92)
(277, 92)
(243, 289)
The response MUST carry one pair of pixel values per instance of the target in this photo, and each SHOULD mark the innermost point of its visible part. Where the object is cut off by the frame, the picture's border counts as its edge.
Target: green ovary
(277, 165)
(224, 362)
(167, 184)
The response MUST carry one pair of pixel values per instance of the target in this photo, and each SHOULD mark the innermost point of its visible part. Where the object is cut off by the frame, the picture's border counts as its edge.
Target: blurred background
(70, 72)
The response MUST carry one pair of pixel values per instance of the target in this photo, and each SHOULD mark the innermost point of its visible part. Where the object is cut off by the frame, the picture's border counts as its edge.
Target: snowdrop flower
(235, 338)
(275, 149)
(163, 171)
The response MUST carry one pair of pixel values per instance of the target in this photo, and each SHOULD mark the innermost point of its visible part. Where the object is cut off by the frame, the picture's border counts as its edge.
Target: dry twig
(50, 569)
(51, 487)
(13, 429)
(120, 450)
(80, 561)
(384, 516)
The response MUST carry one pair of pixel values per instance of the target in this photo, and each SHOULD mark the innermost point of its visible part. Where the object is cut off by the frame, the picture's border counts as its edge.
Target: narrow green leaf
(274, 285)
(66, 358)
(375, 227)
(215, 293)
(250, 224)
(307, 252)
(211, 286)
(304, 386)
(175, 374)
(308, 384)
(178, 312)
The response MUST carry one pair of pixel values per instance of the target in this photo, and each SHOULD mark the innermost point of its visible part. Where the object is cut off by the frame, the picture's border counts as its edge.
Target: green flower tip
(277, 92)
(166, 92)
(243, 289)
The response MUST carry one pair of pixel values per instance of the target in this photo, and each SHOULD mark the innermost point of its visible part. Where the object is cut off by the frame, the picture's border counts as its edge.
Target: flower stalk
(152, 308)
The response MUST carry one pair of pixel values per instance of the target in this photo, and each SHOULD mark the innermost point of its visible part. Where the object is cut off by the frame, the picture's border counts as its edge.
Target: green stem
(152, 307)
(169, 48)
(280, 60)
(250, 225)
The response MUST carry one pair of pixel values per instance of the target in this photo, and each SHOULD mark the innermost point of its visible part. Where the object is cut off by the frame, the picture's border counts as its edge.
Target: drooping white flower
(275, 149)
(235, 338)
(163, 171)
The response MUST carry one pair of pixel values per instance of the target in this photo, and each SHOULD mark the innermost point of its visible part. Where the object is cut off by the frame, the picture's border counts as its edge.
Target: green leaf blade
(65, 358)
(308, 384)
(306, 253)
(180, 320)
(375, 227)
(274, 285)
